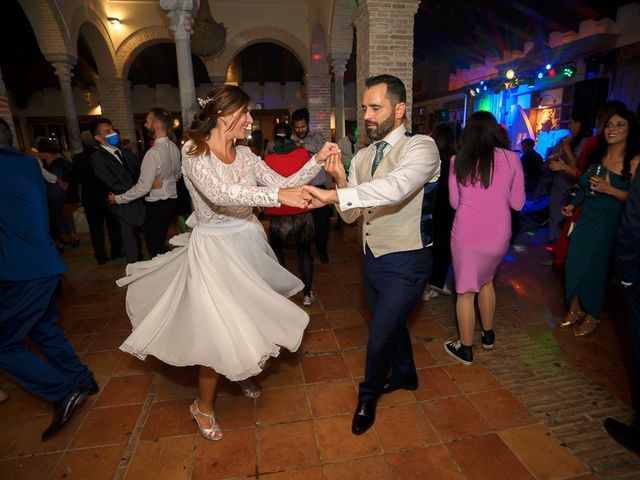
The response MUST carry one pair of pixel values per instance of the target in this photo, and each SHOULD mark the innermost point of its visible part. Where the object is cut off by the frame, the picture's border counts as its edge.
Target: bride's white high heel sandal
(249, 388)
(210, 433)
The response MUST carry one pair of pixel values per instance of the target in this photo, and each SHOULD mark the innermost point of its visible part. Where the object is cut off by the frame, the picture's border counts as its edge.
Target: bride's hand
(327, 149)
(293, 197)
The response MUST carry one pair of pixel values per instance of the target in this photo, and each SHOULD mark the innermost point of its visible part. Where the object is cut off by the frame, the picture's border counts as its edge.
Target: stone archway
(135, 43)
(51, 32)
(217, 66)
(318, 83)
(87, 24)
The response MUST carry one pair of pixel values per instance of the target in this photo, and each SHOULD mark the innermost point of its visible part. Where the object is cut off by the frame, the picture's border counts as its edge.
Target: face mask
(113, 139)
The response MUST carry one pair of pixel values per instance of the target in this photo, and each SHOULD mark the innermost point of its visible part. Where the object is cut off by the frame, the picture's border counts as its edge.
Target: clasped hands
(309, 196)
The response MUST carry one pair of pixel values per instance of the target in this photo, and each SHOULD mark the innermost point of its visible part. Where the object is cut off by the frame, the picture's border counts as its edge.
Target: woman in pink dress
(485, 180)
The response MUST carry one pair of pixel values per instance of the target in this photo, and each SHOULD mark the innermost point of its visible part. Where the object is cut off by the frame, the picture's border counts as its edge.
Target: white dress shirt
(418, 161)
(162, 160)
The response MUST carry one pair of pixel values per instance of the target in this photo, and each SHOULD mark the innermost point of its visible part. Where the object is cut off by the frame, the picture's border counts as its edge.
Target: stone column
(114, 95)
(181, 15)
(339, 66)
(63, 67)
(319, 103)
(217, 79)
(384, 32)
(5, 109)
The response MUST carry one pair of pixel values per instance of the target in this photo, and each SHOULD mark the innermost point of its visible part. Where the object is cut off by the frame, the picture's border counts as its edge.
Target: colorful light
(510, 74)
(569, 71)
(552, 73)
(540, 75)
(548, 66)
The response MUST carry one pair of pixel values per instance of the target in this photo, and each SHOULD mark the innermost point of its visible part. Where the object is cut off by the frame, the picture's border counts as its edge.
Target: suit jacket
(27, 251)
(118, 178)
(628, 254)
(94, 193)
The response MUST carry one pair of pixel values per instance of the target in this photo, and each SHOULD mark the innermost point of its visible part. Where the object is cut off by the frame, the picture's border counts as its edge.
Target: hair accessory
(204, 101)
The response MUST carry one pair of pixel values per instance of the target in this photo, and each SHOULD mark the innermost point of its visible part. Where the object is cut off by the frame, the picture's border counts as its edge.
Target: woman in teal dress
(603, 196)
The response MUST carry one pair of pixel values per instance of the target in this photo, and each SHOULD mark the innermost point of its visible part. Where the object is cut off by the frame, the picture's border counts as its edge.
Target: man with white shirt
(391, 185)
(118, 169)
(158, 175)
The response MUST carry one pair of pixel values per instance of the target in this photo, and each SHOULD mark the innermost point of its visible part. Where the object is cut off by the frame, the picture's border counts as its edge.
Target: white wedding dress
(219, 298)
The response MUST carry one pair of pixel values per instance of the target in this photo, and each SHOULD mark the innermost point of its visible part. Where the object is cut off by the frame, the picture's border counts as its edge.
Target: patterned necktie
(380, 146)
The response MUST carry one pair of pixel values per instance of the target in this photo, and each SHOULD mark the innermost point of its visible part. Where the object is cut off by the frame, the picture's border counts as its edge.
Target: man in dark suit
(93, 198)
(628, 267)
(118, 169)
(30, 269)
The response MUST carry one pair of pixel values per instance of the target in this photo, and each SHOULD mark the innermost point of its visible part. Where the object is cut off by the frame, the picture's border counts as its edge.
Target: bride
(219, 300)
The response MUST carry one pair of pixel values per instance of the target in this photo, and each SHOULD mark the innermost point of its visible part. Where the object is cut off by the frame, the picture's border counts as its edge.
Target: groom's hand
(319, 197)
(334, 167)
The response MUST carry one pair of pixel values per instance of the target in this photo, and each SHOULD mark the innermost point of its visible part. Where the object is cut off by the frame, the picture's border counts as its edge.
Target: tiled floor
(532, 408)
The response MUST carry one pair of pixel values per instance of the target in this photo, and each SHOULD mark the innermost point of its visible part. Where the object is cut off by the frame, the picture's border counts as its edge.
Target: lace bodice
(222, 192)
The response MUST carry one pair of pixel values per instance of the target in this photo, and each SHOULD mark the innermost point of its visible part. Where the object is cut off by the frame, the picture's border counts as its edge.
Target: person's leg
(152, 228)
(95, 220)
(466, 313)
(202, 408)
(575, 312)
(276, 244)
(28, 308)
(305, 263)
(113, 230)
(487, 305)
(130, 240)
(322, 222)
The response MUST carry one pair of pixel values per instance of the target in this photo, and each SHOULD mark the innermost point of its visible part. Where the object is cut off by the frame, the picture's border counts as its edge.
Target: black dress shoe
(363, 418)
(64, 409)
(91, 388)
(393, 386)
(626, 435)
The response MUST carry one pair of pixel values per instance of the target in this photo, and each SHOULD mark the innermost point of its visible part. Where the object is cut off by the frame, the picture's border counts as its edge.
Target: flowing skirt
(219, 300)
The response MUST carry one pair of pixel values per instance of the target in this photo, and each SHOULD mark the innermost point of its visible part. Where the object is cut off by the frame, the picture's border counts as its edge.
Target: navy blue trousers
(28, 309)
(632, 299)
(393, 285)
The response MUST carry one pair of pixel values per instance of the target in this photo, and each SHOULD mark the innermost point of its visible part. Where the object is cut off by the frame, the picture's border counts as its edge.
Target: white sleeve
(348, 213)
(145, 182)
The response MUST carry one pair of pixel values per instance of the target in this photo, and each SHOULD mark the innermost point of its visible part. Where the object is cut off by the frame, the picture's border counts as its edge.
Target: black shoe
(91, 388)
(324, 258)
(363, 418)
(626, 435)
(63, 410)
(460, 352)
(488, 338)
(393, 386)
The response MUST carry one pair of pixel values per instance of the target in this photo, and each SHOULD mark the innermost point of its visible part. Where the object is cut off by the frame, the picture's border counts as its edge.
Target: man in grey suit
(118, 169)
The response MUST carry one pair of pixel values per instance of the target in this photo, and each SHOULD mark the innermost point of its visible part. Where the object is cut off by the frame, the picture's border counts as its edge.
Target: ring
(595, 184)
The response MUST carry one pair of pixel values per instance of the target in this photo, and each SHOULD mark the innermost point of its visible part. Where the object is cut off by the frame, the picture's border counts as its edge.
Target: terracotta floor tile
(433, 463)
(542, 453)
(10, 429)
(125, 390)
(426, 329)
(397, 398)
(336, 301)
(106, 341)
(177, 383)
(105, 426)
(129, 363)
(81, 341)
(332, 398)
(404, 427)
(121, 323)
(169, 418)
(370, 468)
(102, 363)
(171, 458)
(29, 468)
(455, 418)
(282, 373)
(20, 404)
(282, 405)
(436, 348)
(310, 473)
(502, 409)
(99, 463)
(346, 318)
(355, 362)
(87, 325)
(287, 446)
(434, 383)
(337, 443)
(318, 342)
(422, 357)
(212, 458)
(351, 337)
(318, 321)
(235, 411)
(472, 378)
(324, 368)
(487, 458)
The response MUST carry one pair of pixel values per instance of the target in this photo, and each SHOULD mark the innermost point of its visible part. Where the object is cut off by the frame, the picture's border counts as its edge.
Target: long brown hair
(221, 100)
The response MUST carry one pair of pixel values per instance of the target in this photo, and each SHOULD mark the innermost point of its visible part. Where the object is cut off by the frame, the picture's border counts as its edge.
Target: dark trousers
(96, 218)
(28, 309)
(393, 284)
(156, 224)
(441, 259)
(322, 223)
(632, 299)
(131, 240)
(305, 260)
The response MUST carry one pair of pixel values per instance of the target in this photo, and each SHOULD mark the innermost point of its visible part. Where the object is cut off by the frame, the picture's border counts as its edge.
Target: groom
(391, 185)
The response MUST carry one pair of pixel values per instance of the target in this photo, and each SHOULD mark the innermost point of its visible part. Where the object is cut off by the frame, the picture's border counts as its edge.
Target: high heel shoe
(587, 327)
(572, 318)
(210, 433)
(249, 388)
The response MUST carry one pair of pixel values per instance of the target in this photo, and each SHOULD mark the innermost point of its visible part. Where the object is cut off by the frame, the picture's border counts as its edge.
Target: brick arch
(94, 31)
(319, 61)
(49, 28)
(341, 33)
(217, 66)
(135, 43)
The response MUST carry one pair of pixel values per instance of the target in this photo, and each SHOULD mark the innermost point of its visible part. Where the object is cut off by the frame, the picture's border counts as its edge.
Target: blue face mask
(113, 139)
